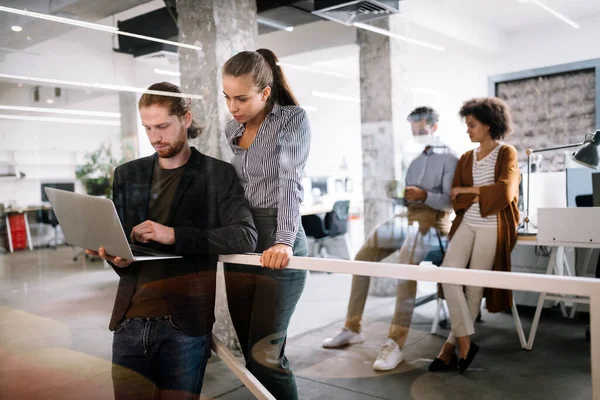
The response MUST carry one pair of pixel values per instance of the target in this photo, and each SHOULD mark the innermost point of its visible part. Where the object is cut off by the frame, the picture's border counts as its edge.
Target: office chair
(49, 218)
(334, 224)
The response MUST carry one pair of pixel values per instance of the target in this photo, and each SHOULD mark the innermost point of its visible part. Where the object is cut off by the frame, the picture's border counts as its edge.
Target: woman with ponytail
(270, 139)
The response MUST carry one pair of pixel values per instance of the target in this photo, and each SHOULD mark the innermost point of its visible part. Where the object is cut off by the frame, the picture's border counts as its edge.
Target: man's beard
(174, 149)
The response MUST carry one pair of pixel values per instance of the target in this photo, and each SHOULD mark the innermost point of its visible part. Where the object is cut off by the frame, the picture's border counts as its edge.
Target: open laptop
(92, 222)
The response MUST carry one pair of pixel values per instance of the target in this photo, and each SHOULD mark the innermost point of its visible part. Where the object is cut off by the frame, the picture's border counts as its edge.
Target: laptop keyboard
(140, 254)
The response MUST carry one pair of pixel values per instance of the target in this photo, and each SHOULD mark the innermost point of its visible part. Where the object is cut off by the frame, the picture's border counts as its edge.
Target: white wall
(555, 44)
(50, 151)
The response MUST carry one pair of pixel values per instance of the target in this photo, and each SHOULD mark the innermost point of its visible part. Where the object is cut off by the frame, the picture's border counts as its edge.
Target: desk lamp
(588, 155)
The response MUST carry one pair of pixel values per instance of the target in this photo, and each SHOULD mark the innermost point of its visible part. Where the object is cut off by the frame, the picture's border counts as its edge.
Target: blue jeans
(152, 356)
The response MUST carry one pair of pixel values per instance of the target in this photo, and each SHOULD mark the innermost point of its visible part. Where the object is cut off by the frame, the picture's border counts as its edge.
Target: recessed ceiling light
(16, 28)
(50, 101)
(166, 72)
(87, 113)
(97, 85)
(552, 11)
(62, 120)
(316, 70)
(274, 24)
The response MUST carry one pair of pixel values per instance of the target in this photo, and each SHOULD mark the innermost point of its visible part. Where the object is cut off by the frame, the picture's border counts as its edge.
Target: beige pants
(383, 243)
(474, 246)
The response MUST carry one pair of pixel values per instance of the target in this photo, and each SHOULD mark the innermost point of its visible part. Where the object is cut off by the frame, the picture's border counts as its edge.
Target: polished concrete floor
(54, 343)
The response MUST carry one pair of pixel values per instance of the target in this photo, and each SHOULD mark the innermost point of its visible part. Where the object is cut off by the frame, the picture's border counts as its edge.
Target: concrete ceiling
(36, 30)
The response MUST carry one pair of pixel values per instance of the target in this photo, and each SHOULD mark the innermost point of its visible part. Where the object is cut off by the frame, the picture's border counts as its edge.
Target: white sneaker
(346, 336)
(390, 356)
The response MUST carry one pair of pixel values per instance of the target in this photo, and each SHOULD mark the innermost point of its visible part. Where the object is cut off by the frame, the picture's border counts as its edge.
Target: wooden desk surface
(321, 208)
(26, 209)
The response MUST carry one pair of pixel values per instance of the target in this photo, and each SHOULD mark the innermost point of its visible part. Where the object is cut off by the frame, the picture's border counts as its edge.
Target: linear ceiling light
(316, 70)
(274, 24)
(396, 36)
(425, 91)
(334, 96)
(90, 25)
(552, 11)
(97, 85)
(62, 111)
(166, 72)
(63, 120)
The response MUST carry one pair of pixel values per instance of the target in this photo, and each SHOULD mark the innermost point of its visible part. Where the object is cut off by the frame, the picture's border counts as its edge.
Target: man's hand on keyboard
(151, 231)
(118, 261)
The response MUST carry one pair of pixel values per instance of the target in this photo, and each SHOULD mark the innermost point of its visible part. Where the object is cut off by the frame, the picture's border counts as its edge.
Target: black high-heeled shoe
(438, 365)
(463, 363)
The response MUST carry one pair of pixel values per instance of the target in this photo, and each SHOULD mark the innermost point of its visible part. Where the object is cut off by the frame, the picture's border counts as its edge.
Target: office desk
(557, 265)
(19, 216)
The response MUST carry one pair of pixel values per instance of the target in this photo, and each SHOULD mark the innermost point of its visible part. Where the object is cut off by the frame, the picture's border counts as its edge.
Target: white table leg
(28, 231)
(595, 344)
(519, 326)
(9, 234)
(540, 305)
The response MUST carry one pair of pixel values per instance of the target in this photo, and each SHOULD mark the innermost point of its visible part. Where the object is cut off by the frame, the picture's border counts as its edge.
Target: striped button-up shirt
(271, 169)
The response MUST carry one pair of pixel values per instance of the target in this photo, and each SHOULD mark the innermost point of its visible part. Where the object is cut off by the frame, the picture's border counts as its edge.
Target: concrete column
(222, 28)
(129, 137)
(382, 113)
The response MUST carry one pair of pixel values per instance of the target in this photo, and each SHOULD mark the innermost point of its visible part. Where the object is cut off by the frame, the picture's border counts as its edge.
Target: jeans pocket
(173, 324)
(121, 325)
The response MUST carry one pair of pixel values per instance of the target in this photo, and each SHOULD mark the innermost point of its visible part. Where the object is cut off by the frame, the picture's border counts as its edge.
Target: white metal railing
(491, 279)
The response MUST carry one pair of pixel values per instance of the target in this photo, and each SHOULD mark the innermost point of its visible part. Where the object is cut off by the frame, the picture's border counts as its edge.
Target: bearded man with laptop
(182, 202)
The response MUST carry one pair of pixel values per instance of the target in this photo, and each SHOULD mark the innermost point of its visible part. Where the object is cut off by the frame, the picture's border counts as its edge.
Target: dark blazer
(210, 217)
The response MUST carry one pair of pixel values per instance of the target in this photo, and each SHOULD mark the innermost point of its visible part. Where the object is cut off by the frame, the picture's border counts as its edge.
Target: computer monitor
(319, 183)
(579, 182)
(69, 186)
(596, 189)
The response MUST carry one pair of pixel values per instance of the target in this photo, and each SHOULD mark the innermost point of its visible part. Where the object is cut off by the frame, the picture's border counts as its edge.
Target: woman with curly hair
(484, 196)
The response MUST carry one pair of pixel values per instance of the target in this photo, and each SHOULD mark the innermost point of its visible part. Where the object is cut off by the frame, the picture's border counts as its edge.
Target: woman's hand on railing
(276, 257)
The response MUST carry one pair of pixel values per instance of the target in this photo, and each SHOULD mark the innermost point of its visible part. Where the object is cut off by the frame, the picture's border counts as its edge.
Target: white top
(483, 174)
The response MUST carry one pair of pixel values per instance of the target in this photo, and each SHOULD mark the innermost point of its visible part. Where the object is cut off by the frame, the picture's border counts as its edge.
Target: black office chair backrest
(584, 200)
(314, 226)
(47, 217)
(336, 221)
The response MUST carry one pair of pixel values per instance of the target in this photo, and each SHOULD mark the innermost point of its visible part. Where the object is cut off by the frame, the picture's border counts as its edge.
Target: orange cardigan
(499, 198)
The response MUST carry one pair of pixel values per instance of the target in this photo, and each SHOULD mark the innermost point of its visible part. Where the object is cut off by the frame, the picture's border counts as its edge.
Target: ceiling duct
(160, 23)
(350, 12)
